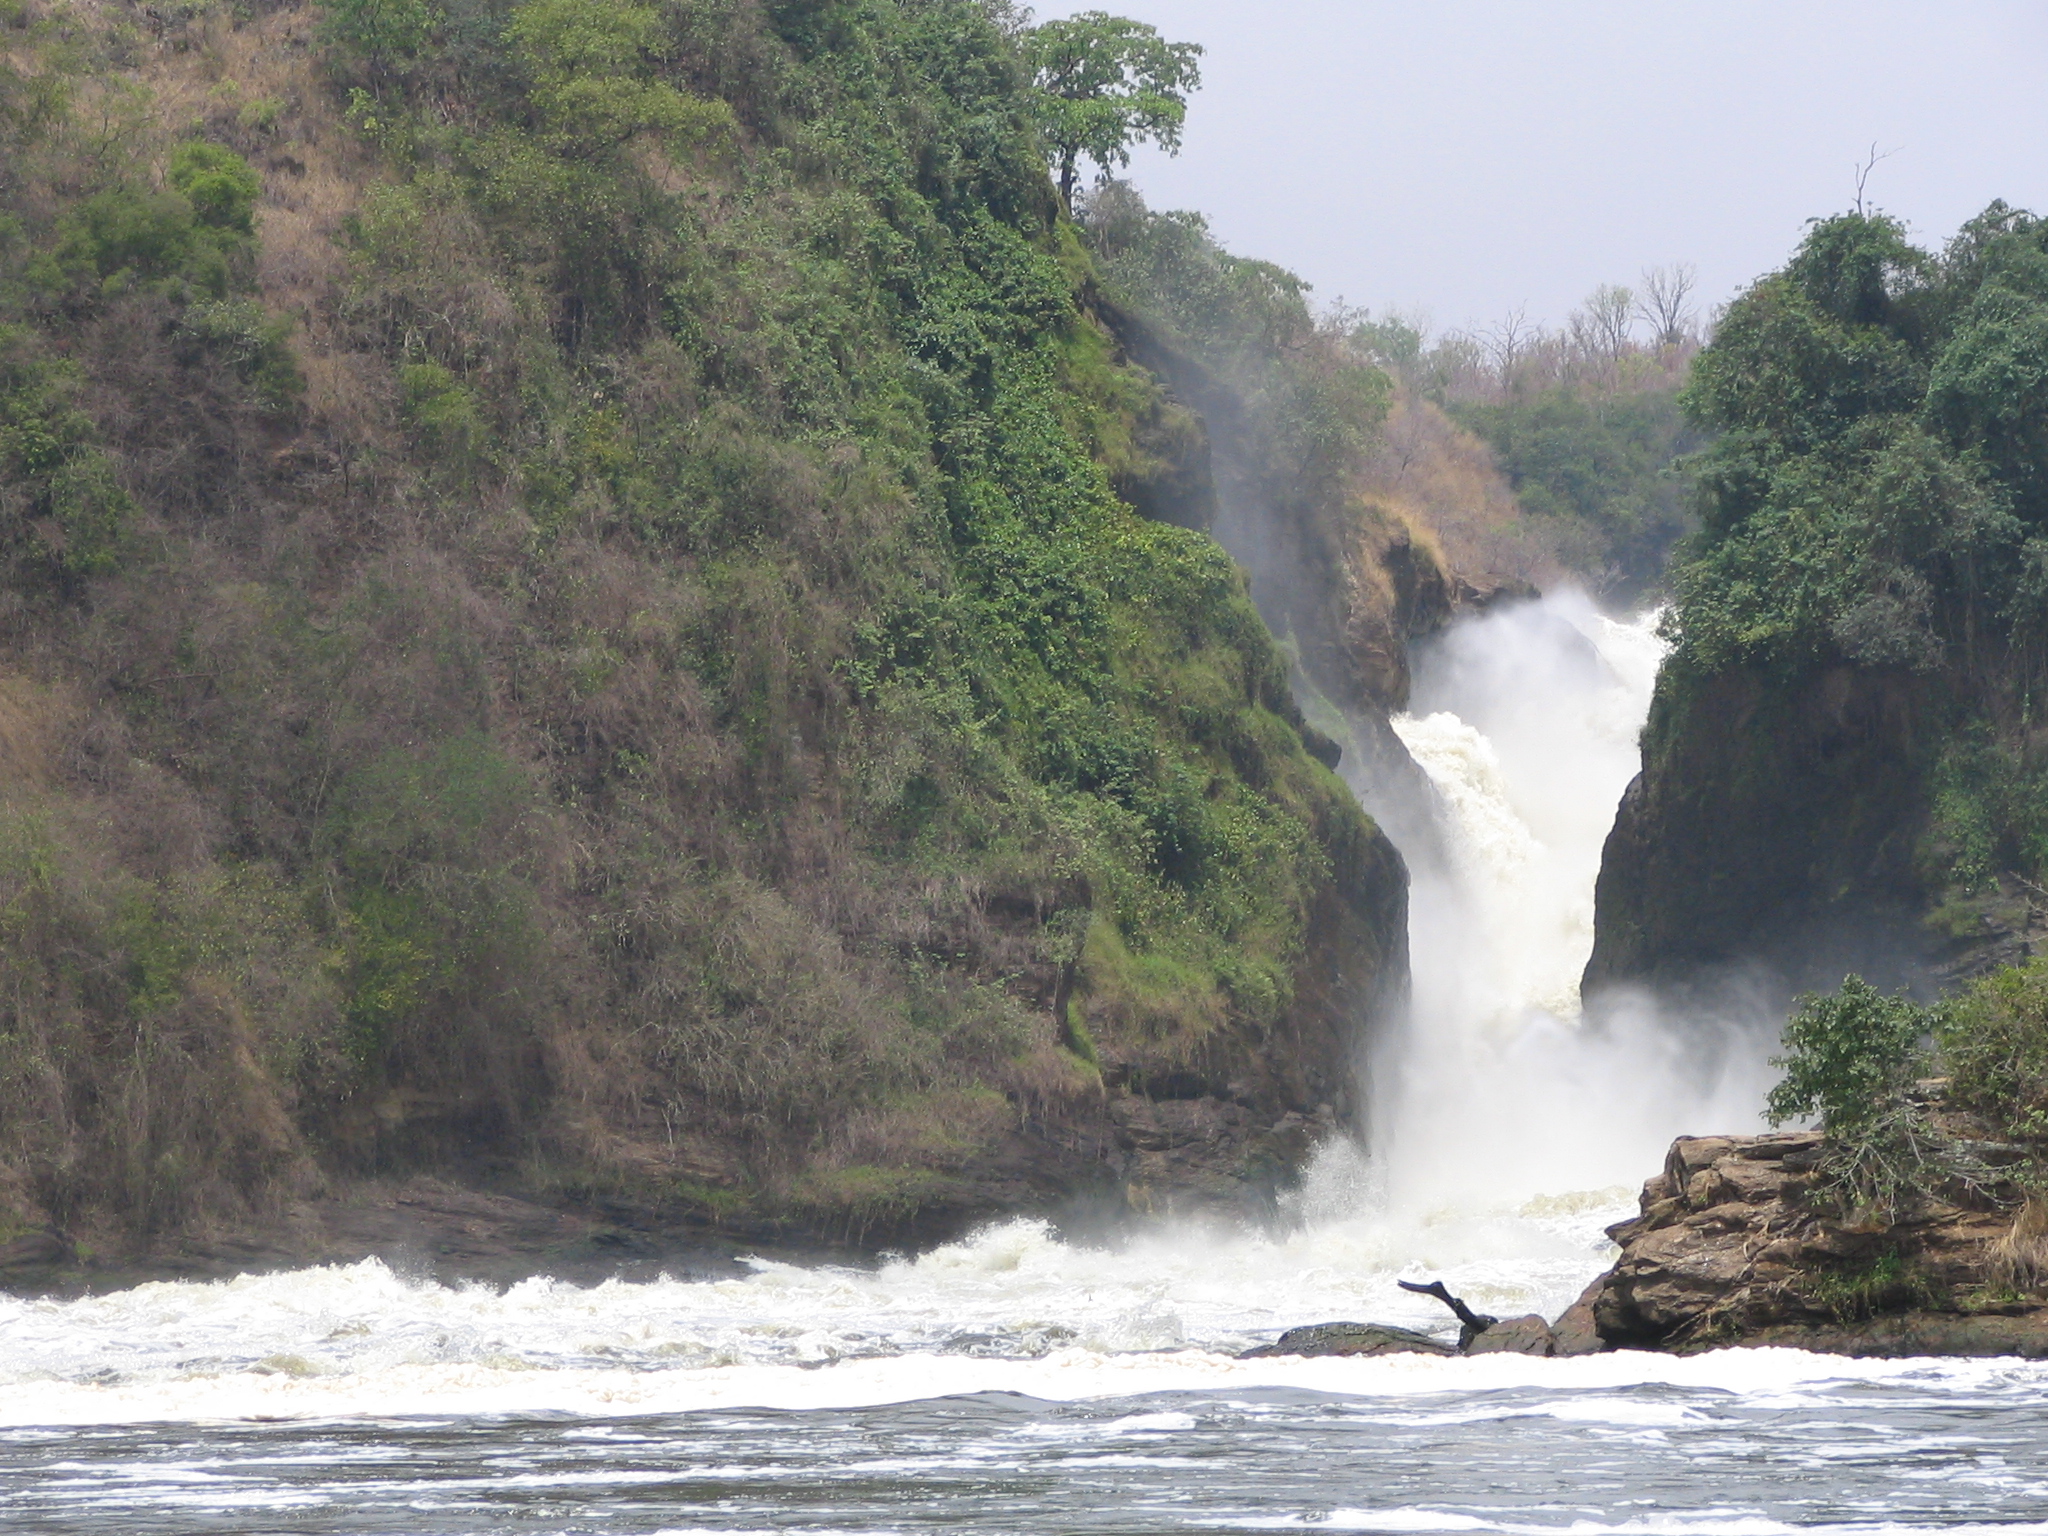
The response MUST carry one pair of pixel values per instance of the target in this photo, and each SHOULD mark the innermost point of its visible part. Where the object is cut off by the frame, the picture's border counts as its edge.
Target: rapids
(1020, 1379)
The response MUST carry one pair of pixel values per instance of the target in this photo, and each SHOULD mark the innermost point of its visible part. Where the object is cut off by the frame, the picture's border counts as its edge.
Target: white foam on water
(1013, 1290)
(1571, 1388)
(1010, 1310)
(1420, 1520)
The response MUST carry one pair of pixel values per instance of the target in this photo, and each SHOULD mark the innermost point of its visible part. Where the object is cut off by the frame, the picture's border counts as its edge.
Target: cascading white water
(1493, 1088)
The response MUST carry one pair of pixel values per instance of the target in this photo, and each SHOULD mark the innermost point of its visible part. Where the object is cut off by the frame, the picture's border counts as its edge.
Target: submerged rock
(1350, 1339)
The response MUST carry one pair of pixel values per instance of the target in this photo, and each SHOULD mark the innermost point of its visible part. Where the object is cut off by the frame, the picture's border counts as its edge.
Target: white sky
(1457, 159)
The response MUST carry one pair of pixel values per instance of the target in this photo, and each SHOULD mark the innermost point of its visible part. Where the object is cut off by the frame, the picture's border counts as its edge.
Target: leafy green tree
(1847, 1056)
(1852, 1058)
(221, 186)
(195, 237)
(1105, 83)
(1994, 1045)
(588, 61)
(381, 30)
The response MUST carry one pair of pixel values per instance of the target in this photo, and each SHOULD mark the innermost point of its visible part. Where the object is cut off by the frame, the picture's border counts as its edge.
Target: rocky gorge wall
(1775, 825)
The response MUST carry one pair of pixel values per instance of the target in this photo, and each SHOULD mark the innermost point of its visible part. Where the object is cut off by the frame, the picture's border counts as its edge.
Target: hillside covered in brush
(595, 600)
(1842, 768)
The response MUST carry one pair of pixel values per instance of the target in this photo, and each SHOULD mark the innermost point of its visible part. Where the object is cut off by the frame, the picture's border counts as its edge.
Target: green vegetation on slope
(1598, 469)
(567, 608)
(1842, 767)
(1584, 420)
(1880, 497)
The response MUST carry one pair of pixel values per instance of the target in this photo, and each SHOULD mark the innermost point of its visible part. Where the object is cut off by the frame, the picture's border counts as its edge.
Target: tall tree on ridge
(1105, 83)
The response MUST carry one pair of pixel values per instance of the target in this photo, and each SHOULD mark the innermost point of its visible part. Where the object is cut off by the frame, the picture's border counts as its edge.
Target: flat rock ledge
(1347, 1339)
(1571, 1334)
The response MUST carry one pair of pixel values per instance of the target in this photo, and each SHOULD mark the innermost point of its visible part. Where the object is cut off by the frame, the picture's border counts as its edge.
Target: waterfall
(1494, 1086)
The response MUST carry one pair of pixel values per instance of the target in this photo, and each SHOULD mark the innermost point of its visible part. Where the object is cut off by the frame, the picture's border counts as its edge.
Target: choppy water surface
(1019, 1382)
(1735, 1443)
(1012, 1382)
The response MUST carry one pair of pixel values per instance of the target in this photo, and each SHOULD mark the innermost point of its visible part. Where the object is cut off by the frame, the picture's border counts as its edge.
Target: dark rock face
(1577, 1332)
(32, 1253)
(1528, 1335)
(1919, 1333)
(1728, 1249)
(1350, 1339)
(1774, 823)
(1208, 1155)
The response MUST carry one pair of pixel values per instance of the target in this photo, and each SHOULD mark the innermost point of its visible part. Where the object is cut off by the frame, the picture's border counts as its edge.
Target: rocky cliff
(1841, 769)
(1736, 1245)
(1773, 823)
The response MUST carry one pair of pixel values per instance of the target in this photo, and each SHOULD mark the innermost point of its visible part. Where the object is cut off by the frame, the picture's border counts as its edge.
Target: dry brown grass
(256, 84)
(2019, 1257)
(34, 723)
(125, 1088)
(1436, 475)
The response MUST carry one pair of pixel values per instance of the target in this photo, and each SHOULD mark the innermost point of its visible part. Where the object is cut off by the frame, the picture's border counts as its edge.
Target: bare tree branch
(1507, 342)
(1663, 301)
(1600, 327)
(1863, 171)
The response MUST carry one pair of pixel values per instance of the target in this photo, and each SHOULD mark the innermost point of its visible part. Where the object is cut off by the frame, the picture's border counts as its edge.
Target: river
(1016, 1381)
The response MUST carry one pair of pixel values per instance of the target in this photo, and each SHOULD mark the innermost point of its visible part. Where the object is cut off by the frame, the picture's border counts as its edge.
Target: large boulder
(1731, 1246)
(1529, 1335)
(1577, 1332)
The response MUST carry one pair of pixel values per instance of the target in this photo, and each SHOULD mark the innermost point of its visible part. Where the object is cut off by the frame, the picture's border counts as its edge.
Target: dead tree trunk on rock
(1470, 1324)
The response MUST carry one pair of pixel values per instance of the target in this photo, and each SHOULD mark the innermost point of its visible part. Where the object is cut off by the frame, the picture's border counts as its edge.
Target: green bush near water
(1853, 1059)
(1848, 1056)
(1994, 1044)
(1852, 1054)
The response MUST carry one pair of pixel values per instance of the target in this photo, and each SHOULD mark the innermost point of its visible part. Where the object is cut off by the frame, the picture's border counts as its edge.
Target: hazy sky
(1460, 159)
